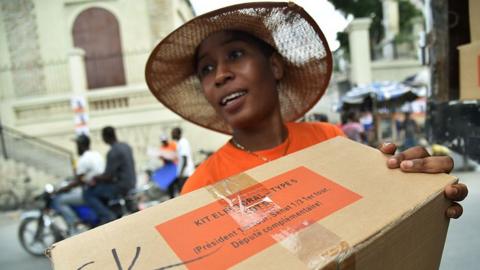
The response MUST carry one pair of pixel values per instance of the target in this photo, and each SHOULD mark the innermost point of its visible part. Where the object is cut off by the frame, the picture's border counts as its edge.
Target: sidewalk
(463, 239)
(9, 217)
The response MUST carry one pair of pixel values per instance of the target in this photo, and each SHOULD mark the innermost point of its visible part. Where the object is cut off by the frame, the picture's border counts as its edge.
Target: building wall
(131, 109)
(5, 77)
(22, 40)
(183, 12)
(329, 102)
(395, 70)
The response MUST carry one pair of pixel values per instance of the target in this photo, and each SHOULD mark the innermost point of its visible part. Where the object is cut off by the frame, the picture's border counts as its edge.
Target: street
(461, 248)
(13, 257)
(463, 238)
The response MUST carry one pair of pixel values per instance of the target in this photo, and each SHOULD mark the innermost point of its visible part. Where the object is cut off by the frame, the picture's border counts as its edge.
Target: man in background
(410, 129)
(185, 165)
(89, 164)
(168, 150)
(118, 178)
(353, 129)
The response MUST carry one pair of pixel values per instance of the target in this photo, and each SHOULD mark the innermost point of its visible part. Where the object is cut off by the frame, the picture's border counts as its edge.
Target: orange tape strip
(478, 70)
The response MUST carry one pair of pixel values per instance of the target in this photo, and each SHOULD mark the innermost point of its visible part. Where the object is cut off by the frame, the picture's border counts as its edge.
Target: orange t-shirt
(169, 152)
(229, 160)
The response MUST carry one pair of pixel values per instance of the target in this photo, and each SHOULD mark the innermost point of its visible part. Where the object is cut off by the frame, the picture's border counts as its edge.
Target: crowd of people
(359, 126)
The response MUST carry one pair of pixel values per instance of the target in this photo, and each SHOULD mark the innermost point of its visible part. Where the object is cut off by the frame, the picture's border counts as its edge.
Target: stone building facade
(52, 51)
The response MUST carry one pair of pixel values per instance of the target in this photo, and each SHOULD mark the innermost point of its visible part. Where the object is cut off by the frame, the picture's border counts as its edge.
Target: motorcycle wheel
(35, 238)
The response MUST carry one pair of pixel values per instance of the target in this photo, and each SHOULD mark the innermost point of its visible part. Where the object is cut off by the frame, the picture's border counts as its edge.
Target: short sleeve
(183, 147)
(83, 165)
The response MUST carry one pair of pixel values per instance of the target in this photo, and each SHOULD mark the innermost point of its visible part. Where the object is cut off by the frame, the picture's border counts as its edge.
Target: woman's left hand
(417, 159)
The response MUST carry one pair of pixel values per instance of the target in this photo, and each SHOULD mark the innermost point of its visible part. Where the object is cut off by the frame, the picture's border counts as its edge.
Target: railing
(35, 152)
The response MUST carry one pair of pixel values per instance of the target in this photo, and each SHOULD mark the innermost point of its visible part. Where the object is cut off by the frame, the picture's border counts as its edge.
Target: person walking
(185, 166)
(409, 128)
(353, 129)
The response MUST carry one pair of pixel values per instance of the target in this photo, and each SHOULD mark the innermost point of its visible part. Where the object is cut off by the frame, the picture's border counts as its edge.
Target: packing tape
(248, 202)
(318, 248)
(314, 245)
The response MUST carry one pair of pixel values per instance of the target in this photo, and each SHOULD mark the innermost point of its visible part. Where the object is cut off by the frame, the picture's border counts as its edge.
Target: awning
(383, 92)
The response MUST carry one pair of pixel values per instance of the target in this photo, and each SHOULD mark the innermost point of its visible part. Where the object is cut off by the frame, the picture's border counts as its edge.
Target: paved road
(12, 256)
(463, 240)
(461, 249)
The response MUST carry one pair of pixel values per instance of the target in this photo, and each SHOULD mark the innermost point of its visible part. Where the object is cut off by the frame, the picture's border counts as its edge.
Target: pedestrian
(116, 181)
(250, 71)
(353, 129)
(409, 130)
(89, 164)
(185, 166)
(167, 150)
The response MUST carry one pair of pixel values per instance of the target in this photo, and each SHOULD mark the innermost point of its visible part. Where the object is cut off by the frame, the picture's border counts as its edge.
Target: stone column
(359, 39)
(419, 33)
(78, 81)
(391, 26)
(78, 77)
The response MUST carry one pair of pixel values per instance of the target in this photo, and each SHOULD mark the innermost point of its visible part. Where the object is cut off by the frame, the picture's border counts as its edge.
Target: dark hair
(108, 133)
(83, 140)
(352, 116)
(321, 117)
(177, 129)
(266, 49)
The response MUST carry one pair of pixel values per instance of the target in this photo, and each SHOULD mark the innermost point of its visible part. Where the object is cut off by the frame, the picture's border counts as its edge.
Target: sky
(329, 20)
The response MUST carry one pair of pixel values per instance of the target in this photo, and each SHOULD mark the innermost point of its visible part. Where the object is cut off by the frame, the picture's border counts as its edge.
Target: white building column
(359, 39)
(78, 76)
(391, 26)
(78, 81)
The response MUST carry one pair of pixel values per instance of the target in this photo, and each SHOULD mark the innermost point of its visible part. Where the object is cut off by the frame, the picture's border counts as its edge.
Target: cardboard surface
(334, 205)
(470, 71)
(474, 16)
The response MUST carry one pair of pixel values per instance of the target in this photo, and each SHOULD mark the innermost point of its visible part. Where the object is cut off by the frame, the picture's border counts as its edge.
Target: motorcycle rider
(116, 181)
(89, 164)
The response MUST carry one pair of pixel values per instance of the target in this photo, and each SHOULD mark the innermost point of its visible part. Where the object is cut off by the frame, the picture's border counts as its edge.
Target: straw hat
(285, 26)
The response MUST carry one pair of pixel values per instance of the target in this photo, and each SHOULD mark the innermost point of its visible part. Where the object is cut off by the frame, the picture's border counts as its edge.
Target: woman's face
(238, 79)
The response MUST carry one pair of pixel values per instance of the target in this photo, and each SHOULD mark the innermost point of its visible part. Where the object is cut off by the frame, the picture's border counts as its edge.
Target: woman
(251, 70)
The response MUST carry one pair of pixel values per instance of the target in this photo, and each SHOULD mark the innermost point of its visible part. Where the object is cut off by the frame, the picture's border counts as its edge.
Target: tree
(373, 9)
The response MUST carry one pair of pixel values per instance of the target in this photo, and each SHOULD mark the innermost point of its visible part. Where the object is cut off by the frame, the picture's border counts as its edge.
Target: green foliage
(359, 9)
(408, 13)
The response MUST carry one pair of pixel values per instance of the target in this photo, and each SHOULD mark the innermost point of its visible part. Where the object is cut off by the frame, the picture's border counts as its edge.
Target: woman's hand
(417, 159)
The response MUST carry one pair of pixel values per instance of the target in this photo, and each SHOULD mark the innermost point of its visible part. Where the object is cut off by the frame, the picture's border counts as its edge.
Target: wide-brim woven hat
(171, 76)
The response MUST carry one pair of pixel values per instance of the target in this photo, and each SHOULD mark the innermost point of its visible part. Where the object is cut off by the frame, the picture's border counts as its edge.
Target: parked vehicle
(43, 226)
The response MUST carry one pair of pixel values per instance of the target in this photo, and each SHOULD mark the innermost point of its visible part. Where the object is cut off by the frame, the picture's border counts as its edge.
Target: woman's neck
(263, 135)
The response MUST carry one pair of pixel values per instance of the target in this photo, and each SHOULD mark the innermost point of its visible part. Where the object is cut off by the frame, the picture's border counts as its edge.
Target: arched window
(96, 31)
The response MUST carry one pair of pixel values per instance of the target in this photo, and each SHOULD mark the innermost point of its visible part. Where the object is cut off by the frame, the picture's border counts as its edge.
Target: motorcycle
(42, 227)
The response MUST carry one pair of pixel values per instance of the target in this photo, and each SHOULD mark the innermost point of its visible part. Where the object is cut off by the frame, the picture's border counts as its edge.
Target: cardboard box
(470, 71)
(334, 205)
(474, 11)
